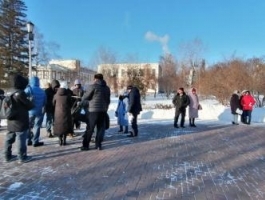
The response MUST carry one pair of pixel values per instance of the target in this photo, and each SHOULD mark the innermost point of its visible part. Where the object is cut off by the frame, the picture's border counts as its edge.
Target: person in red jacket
(247, 103)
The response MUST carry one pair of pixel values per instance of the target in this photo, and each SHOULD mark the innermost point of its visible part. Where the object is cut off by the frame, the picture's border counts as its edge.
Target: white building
(64, 70)
(120, 72)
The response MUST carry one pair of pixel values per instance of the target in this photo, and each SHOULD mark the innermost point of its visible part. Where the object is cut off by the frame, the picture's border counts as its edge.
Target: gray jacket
(98, 95)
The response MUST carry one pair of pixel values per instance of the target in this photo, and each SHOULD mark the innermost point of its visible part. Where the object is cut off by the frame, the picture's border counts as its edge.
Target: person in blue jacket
(38, 97)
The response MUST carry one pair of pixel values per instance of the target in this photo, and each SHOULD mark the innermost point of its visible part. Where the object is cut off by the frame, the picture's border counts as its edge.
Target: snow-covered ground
(212, 111)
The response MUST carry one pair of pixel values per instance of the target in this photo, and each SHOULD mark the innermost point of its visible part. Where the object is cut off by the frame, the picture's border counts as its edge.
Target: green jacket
(181, 102)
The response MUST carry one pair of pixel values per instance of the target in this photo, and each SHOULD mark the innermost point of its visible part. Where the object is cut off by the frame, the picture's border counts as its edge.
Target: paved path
(208, 162)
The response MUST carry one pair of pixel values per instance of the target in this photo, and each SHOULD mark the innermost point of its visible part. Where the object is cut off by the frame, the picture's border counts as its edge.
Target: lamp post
(30, 27)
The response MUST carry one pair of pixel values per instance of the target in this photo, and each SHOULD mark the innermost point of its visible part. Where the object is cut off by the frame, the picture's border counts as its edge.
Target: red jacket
(247, 102)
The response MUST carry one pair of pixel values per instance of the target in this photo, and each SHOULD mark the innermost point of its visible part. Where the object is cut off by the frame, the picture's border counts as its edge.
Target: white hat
(77, 81)
(64, 84)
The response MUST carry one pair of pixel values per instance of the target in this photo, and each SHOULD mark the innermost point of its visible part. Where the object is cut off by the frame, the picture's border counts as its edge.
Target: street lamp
(30, 27)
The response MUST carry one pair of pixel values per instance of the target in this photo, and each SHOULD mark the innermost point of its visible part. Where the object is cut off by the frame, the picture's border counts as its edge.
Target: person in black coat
(180, 101)
(134, 108)
(49, 108)
(19, 126)
(62, 115)
(235, 106)
(98, 96)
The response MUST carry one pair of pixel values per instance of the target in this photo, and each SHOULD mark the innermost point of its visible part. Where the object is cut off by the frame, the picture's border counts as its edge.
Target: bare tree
(168, 75)
(44, 51)
(107, 58)
(191, 59)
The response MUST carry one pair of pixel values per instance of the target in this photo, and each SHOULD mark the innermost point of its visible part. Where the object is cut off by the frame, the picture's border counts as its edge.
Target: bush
(158, 106)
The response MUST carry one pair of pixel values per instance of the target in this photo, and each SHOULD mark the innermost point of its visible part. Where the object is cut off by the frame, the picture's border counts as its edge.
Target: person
(134, 108)
(19, 126)
(78, 91)
(2, 95)
(180, 101)
(62, 114)
(98, 95)
(235, 106)
(193, 106)
(50, 91)
(36, 114)
(247, 102)
(122, 115)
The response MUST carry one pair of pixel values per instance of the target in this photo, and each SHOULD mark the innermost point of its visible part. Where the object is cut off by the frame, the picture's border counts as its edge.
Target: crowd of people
(65, 109)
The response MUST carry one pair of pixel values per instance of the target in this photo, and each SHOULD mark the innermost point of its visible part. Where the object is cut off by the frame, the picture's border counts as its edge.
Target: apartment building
(64, 70)
(120, 73)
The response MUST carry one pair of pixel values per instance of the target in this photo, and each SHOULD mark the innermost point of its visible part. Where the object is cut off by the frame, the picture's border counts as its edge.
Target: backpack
(8, 107)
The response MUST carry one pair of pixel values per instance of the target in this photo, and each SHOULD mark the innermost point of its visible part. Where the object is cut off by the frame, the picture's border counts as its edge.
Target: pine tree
(13, 38)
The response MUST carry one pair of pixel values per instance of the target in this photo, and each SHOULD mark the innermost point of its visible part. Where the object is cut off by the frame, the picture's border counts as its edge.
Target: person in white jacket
(122, 114)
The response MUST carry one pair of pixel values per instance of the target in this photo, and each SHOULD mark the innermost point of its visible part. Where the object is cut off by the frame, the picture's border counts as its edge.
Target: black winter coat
(135, 106)
(21, 122)
(234, 103)
(62, 114)
(98, 95)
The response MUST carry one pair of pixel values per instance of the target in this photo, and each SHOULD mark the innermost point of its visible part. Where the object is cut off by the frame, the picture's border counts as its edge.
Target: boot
(176, 122)
(193, 122)
(182, 123)
(60, 140)
(121, 129)
(49, 134)
(190, 122)
(126, 130)
(64, 140)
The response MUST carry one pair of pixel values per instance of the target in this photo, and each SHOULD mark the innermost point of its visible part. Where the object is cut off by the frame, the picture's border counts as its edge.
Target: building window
(45, 75)
(58, 75)
(39, 74)
(53, 75)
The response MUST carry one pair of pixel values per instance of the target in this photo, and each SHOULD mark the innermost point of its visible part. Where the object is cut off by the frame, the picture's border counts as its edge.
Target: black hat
(98, 76)
(129, 87)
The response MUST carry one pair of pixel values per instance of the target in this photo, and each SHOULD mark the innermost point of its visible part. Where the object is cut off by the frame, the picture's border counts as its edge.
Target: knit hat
(243, 91)
(64, 85)
(98, 76)
(77, 81)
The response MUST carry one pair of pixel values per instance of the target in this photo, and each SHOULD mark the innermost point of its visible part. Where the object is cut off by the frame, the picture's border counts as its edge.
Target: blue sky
(149, 28)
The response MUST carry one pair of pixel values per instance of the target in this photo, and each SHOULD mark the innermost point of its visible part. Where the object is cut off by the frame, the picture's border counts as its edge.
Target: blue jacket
(38, 94)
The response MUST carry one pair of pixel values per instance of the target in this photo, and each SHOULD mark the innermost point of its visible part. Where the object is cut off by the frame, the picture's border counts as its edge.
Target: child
(121, 114)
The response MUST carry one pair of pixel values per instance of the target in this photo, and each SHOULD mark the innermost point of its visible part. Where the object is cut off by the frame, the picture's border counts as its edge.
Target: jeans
(248, 114)
(49, 122)
(35, 122)
(21, 143)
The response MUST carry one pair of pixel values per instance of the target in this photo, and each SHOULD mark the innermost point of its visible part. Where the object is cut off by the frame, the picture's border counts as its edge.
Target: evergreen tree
(13, 38)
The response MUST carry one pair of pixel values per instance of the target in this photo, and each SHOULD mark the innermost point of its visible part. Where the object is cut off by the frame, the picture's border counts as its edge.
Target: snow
(15, 186)
(212, 111)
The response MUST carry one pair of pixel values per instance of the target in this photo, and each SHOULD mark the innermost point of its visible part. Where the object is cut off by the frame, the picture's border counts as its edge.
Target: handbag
(238, 111)
(199, 107)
